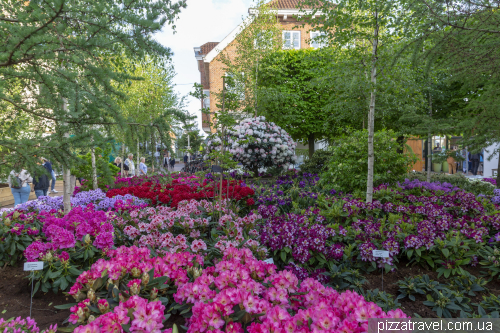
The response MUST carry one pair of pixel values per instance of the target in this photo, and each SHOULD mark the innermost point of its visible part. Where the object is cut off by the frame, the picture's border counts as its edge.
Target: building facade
(208, 55)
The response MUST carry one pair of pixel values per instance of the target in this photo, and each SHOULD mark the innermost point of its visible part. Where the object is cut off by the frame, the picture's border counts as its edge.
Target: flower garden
(184, 253)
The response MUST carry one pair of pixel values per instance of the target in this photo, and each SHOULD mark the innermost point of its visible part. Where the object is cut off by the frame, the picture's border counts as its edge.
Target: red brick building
(208, 55)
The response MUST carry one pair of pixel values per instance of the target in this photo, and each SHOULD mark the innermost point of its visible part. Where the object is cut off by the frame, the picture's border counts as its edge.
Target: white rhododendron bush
(258, 144)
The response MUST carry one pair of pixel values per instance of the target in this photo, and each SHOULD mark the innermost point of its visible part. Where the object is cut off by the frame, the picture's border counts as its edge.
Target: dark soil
(3, 185)
(410, 307)
(15, 292)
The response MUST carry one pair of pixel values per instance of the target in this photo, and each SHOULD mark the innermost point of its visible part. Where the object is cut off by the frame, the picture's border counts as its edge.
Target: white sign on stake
(33, 266)
(380, 254)
(269, 261)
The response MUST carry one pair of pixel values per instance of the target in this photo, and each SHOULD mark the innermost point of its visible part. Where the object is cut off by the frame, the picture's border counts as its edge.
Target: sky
(201, 22)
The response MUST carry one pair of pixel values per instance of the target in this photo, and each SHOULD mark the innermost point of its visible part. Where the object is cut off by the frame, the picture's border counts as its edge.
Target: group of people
(20, 181)
(129, 166)
(168, 161)
(473, 162)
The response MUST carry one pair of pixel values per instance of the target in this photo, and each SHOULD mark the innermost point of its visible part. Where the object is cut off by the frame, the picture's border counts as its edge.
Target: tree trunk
(401, 143)
(371, 114)
(66, 173)
(310, 140)
(66, 190)
(498, 169)
(429, 144)
(123, 160)
(137, 174)
(94, 169)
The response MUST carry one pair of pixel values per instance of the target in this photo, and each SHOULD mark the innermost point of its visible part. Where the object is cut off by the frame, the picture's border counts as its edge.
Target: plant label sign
(269, 261)
(33, 266)
(380, 254)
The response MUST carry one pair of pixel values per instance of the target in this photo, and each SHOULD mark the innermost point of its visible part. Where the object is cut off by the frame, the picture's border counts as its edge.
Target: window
(316, 41)
(206, 100)
(235, 85)
(291, 40)
(264, 40)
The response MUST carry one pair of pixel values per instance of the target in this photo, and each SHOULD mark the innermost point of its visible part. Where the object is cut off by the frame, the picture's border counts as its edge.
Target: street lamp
(189, 146)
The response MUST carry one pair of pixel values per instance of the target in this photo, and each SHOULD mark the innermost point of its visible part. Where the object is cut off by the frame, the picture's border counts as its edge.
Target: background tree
(293, 93)
(365, 28)
(56, 65)
(259, 37)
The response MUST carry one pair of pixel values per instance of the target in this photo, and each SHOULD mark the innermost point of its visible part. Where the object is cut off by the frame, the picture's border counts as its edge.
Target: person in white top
(130, 163)
(19, 183)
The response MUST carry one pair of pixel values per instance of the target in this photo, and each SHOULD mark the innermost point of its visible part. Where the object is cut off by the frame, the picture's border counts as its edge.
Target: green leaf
(283, 256)
(64, 283)
(64, 306)
(446, 252)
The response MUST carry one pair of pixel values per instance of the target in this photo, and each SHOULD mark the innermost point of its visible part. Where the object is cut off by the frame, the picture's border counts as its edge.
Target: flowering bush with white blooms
(257, 144)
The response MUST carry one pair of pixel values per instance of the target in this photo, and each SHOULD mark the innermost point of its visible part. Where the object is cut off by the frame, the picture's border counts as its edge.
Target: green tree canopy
(58, 60)
(293, 93)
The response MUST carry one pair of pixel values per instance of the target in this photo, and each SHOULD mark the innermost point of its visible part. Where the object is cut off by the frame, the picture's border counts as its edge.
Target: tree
(259, 37)
(364, 28)
(152, 108)
(293, 93)
(463, 36)
(195, 141)
(56, 65)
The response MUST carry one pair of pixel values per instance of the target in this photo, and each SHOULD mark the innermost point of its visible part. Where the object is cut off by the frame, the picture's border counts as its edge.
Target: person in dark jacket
(48, 165)
(475, 162)
(41, 183)
(172, 163)
(185, 158)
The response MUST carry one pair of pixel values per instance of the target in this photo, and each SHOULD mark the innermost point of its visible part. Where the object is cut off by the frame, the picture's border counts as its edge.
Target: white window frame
(206, 99)
(292, 32)
(312, 41)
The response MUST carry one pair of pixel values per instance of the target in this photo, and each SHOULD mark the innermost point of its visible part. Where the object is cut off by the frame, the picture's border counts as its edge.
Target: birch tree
(364, 28)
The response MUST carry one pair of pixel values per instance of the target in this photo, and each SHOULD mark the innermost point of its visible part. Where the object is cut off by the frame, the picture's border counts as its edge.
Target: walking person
(48, 165)
(129, 162)
(172, 163)
(475, 163)
(452, 164)
(185, 158)
(118, 163)
(143, 169)
(41, 184)
(166, 161)
(19, 185)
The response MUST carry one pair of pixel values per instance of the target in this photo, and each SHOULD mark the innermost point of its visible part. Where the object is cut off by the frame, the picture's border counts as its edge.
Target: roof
(286, 4)
(284, 7)
(207, 47)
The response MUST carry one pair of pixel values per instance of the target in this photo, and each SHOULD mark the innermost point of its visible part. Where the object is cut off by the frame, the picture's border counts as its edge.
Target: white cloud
(201, 22)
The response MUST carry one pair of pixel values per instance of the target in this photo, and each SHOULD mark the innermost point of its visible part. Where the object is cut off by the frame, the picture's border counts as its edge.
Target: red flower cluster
(172, 194)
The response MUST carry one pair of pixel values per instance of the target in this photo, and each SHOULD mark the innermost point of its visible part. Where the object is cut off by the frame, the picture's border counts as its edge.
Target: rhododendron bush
(165, 229)
(238, 292)
(178, 190)
(258, 144)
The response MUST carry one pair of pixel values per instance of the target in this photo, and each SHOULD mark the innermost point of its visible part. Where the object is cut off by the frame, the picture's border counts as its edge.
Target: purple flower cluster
(490, 180)
(83, 199)
(303, 273)
(434, 186)
(299, 234)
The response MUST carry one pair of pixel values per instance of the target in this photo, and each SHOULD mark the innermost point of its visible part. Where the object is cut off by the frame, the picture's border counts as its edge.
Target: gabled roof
(284, 7)
(207, 47)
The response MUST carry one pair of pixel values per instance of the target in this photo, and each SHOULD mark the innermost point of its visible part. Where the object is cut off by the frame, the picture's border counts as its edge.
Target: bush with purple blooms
(82, 199)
